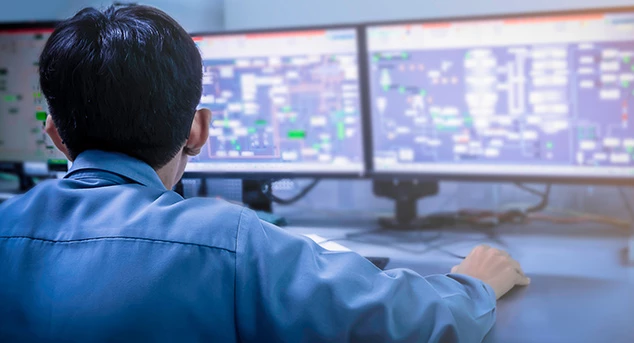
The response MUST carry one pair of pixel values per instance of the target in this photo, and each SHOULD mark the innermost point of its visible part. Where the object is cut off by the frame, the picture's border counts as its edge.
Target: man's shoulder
(162, 217)
(205, 222)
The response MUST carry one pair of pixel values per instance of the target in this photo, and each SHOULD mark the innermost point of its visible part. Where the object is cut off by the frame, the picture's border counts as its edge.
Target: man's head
(128, 80)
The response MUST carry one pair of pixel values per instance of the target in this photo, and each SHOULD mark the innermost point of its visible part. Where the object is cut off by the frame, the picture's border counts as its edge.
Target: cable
(488, 218)
(267, 190)
(529, 189)
(543, 203)
(591, 217)
(626, 201)
(578, 220)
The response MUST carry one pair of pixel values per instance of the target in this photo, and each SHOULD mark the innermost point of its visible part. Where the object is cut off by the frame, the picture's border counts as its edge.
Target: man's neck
(172, 171)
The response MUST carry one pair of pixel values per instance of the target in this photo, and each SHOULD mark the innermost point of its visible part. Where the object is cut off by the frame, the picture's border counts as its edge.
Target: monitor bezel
(465, 176)
(49, 25)
(267, 175)
(29, 25)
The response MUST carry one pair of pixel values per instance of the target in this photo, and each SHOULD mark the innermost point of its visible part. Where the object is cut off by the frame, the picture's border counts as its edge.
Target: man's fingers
(522, 280)
(454, 269)
(480, 249)
(503, 253)
(517, 267)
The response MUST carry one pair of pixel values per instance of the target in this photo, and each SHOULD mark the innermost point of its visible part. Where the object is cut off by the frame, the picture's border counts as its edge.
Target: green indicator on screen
(423, 92)
(286, 109)
(341, 131)
(549, 145)
(316, 146)
(375, 58)
(386, 87)
(37, 95)
(10, 98)
(625, 84)
(467, 55)
(260, 122)
(333, 58)
(226, 122)
(40, 115)
(627, 59)
(251, 130)
(401, 89)
(57, 161)
(238, 147)
(296, 134)
(630, 149)
(405, 55)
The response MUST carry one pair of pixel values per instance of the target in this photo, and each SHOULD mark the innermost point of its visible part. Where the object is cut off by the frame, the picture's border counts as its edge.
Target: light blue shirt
(109, 254)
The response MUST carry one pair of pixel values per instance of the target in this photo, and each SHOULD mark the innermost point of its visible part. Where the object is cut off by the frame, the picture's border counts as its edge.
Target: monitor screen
(540, 97)
(23, 108)
(282, 102)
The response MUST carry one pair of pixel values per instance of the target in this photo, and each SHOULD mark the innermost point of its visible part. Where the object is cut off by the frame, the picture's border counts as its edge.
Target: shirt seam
(114, 238)
(235, 275)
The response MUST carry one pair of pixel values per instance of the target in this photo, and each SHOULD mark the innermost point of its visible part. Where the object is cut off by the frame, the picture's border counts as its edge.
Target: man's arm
(290, 289)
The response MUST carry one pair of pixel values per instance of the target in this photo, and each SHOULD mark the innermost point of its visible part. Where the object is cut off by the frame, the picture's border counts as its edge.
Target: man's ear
(199, 133)
(51, 131)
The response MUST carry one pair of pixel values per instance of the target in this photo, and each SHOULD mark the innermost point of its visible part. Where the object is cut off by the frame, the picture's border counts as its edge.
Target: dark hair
(127, 80)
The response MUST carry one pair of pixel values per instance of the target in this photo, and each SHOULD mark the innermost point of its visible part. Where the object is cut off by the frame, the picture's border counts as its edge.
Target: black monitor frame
(365, 114)
(28, 25)
(17, 166)
(422, 176)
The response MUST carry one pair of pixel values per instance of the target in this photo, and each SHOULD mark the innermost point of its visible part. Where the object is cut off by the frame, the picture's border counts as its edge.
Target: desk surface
(582, 289)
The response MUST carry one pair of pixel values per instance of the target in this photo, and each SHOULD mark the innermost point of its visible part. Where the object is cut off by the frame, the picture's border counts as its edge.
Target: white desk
(581, 291)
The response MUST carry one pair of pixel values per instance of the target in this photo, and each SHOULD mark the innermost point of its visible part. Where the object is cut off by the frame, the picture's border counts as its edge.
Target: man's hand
(494, 267)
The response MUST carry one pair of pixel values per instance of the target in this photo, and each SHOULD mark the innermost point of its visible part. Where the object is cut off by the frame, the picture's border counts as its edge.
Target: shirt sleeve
(289, 289)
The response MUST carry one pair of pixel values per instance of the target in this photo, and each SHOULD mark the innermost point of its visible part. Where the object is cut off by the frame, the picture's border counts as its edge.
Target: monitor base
(26, 182)
(253, 196)
(406, 195)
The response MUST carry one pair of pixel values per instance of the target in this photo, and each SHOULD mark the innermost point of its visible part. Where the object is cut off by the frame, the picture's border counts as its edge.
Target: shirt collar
(117, 163)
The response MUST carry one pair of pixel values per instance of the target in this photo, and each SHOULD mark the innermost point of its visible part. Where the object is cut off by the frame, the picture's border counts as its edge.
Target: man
(109, 253)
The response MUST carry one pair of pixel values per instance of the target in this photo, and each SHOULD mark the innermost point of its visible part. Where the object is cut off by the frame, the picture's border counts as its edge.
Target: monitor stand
(26, 182)
(254, 197)
(406, 195)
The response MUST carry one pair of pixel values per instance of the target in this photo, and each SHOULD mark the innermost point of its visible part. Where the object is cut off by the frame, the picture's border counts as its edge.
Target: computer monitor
(283, 102)
(23, 109)
(547, 97)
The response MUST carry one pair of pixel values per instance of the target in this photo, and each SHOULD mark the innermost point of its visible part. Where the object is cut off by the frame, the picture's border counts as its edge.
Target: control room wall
(193, 15)
(242, 14)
